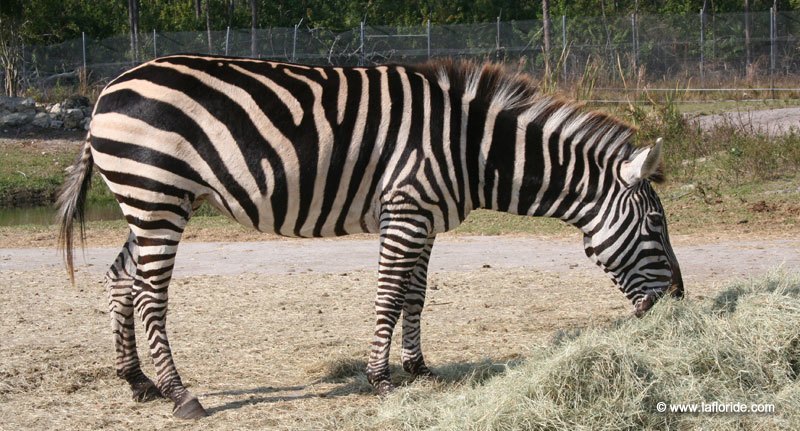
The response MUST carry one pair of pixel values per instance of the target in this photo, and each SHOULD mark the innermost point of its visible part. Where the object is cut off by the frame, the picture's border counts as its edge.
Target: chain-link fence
(699, 50)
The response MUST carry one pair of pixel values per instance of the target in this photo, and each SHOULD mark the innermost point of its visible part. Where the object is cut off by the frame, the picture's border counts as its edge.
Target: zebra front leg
(402, 242)
(413, 360)
(153, 273)
(119, 286)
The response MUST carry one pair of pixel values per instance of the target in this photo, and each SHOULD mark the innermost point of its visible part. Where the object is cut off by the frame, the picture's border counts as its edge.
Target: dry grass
(742, 346)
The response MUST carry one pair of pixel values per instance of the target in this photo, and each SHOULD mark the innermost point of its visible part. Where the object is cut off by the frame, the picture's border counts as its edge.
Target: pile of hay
(741, 347)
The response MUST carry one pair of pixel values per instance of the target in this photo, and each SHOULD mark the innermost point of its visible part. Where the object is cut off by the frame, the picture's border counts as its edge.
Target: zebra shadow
(351, 375)
(258, 396)
(349, 378)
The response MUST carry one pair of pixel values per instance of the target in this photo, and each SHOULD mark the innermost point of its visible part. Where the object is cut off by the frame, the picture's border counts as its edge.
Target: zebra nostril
(643, 304)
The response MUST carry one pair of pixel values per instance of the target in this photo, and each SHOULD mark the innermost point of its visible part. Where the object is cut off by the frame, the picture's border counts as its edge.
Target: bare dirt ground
(769, 121)
(274, 334)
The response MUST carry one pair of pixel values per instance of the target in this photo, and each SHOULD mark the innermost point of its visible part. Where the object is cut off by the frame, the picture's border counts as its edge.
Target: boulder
(56, 124)
(17, 104)
(41, 120)
(26, 104)
(72, 118)
(55, 109)
(16, 119)
(85, 123)
(73, 102)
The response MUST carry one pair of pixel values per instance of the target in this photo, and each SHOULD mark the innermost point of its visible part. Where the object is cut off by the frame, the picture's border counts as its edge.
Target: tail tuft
(70, 203)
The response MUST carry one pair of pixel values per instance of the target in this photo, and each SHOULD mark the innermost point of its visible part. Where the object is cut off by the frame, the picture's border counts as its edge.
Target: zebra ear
(643, 163)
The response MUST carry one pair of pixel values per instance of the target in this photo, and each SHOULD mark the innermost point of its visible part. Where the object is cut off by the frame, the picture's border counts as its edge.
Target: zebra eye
(656, 219)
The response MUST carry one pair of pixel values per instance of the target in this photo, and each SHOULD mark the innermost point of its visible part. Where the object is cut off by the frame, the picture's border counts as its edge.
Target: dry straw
(741, 347)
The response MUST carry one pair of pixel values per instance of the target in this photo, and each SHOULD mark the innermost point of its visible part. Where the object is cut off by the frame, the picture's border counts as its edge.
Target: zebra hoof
(384, 388)
(145, 391)
(190, 409)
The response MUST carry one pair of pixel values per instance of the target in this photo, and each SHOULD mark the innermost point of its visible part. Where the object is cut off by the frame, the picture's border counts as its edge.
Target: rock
(27, 104)
(5, 104)
(56, 124)
(72, 118)
(16, 119)
(17, 104)
(41, 120)
(85, 123)
(73, 102)
(55, 109)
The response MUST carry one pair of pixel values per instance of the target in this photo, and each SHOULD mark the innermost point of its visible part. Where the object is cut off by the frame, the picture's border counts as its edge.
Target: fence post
(294, 42)
(497, 38)
(773, 34)
(634, 44)
(564, 45)
(155, 44)
(227, 39)
(361, 58)
(83, 45)
(702, 44)
(429, 38)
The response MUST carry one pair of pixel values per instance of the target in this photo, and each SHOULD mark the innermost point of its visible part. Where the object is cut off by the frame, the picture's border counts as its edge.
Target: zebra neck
(541, 168)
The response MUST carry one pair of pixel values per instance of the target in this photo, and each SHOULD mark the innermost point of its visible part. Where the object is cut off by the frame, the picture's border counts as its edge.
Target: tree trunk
(198, 9)
(133, 20)
(546, 31)
(11, 60)
(253, 24)
(11, 48)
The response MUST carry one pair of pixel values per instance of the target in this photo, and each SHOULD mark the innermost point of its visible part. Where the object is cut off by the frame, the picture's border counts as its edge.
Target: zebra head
(630, 240)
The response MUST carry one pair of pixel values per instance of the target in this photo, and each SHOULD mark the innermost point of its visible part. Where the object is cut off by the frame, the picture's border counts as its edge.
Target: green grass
(26, 175)
(32, 176)
(740, 347)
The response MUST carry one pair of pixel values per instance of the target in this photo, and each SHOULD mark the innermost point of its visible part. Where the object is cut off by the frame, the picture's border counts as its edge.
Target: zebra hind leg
(402, 242)
(157, 239)
(119, 286)
(413, 360)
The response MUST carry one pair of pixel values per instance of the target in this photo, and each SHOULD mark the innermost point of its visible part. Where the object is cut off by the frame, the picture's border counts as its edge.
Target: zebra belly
(352, 221)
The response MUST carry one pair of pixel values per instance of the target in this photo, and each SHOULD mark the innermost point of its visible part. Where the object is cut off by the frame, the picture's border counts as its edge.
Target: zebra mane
(500, 88)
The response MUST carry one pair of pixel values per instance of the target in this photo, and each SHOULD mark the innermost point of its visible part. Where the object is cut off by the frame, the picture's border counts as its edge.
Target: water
(46, 215)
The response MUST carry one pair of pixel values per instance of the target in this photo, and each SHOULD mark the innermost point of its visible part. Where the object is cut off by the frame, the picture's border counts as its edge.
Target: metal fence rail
(703, 50)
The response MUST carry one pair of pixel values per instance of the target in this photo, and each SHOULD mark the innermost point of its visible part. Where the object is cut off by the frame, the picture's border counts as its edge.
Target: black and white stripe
(403, 151)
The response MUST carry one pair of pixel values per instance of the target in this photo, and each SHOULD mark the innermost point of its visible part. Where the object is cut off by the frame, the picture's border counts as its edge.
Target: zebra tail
(70, 203)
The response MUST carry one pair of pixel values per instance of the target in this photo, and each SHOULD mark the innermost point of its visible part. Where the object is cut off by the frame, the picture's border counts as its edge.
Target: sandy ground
(769, 121)
(274, 334)
(699, 262)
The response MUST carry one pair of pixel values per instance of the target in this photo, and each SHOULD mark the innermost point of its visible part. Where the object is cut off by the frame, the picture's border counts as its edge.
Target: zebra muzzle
(644, 304)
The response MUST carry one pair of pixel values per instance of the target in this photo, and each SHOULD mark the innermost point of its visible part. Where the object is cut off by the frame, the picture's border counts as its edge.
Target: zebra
(403, 151)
